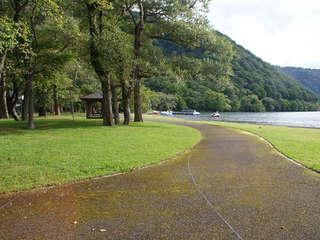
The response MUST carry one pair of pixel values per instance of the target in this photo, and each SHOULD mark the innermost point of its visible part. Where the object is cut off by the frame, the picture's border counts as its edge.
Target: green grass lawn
(62, 150)
(300, 144)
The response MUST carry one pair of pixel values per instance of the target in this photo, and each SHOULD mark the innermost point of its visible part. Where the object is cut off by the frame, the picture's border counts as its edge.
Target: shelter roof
(92, 96)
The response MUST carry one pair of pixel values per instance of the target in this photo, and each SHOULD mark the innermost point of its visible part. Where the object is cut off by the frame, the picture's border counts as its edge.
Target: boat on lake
(215, 115)
(153, 113)
(166, 113)
(187, 112)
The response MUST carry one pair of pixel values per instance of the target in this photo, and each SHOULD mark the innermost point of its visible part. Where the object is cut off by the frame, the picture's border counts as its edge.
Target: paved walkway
(230, 186)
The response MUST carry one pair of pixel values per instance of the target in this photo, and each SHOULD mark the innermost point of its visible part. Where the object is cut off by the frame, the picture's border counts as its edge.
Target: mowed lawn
(62, 150)
(299, 144)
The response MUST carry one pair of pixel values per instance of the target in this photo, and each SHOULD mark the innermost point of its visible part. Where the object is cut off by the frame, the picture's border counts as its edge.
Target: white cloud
(283, 32)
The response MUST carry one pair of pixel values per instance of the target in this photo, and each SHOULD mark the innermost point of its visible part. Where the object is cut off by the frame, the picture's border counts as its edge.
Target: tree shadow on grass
(11, 127)
(149, 125)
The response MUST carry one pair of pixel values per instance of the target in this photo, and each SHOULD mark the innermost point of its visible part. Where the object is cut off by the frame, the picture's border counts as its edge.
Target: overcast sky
(281, 32)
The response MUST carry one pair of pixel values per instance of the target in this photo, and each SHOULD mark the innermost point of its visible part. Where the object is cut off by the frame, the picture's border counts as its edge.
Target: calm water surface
(293, 119)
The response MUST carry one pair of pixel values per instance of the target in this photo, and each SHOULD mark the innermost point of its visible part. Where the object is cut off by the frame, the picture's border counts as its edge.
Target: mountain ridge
(253, 86)
(307, 77)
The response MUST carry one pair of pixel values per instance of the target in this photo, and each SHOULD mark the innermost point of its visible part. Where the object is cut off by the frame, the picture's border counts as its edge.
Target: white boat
(166, 113)
(187, 112)
(215, 115)
(196, 113)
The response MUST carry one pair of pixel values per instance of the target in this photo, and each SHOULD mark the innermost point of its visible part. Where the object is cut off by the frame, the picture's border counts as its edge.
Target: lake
(292, 119)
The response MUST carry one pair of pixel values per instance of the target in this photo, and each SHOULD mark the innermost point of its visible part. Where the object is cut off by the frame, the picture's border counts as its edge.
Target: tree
(15, 10)
(268, 104)
(251, 103)
(124, 74)
(175, 21)
(55, 48)
(12, 35)
(214, 101)
(43, 59)
(96, 15)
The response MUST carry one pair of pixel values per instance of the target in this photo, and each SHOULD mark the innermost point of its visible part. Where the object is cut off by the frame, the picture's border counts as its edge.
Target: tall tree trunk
(137, 47)
(96, 27)
(72, 104)
(24, 110)
(13, 112)
(106, 102)
(126, 94)
(30, 103)
(3, 99)
(115, 104)
(71, 93)
(11, 102)
(56, 101)
(109, 101)
(41, 100)
(2, 63)
(52, 108)
(137, 102)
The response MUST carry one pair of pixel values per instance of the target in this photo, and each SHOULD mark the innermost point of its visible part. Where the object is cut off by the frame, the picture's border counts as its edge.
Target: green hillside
(227, 79)
(309, 78)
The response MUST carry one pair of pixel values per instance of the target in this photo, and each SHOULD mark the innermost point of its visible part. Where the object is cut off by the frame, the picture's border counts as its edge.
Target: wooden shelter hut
(93, 105)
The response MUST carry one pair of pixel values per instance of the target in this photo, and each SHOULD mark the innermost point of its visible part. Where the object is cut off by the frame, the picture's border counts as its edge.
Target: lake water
(292, 119)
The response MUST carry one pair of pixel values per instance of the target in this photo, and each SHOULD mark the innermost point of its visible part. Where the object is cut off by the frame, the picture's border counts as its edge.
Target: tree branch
(128, 8)
(193, 4)
(141, 15)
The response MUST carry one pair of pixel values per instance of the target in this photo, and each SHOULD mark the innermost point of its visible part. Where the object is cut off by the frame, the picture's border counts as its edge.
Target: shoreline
(297, 143)
(208, 119)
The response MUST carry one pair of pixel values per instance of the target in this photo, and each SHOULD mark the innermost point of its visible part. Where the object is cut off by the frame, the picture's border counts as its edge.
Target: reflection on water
(294, 119)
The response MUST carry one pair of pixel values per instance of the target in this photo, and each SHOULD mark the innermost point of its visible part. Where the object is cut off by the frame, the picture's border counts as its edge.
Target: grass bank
(299, 144)
(62, 150)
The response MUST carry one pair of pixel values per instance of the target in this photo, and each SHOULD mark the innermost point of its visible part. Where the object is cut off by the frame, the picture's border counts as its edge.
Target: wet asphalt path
(230, 186)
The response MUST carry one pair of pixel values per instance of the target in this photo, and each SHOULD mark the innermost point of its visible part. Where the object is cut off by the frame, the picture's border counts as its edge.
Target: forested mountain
(249, 84)
(309, 78)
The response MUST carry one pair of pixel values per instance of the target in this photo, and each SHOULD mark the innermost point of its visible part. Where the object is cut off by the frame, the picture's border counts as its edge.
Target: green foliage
(261, 79)
(159, 101)
(54, 49)
(11, 34)
(219, 65)
(102, 4)
(115, 46)
(214, 101)
(309, 78)
(268, 103)
(182, 61)
(14, 36)
(251, 103)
